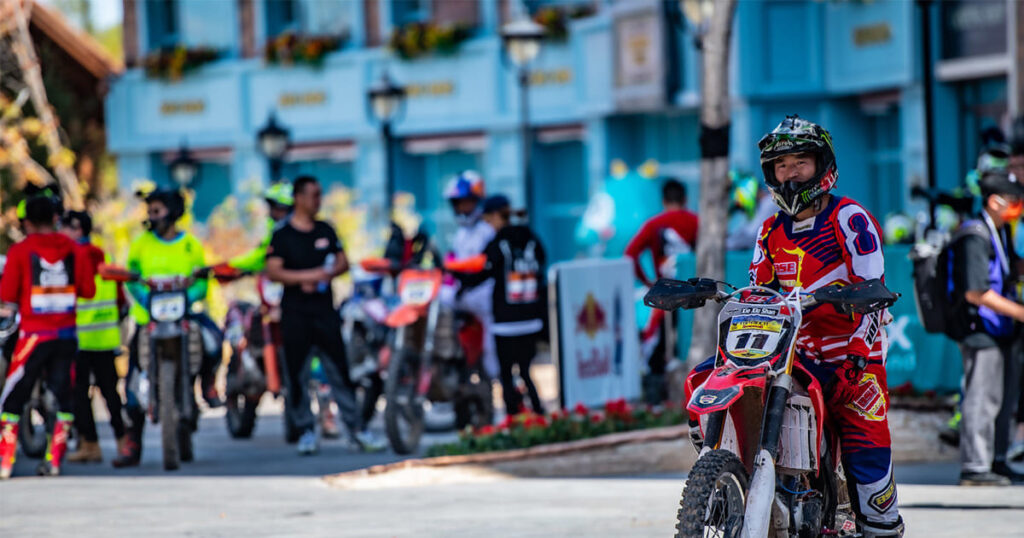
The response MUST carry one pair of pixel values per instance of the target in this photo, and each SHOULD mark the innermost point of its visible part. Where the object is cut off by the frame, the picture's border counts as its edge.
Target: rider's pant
(33, 357)
(100, 364)
(863, 427)
(213, 341)
(300, 331)
(479, 301)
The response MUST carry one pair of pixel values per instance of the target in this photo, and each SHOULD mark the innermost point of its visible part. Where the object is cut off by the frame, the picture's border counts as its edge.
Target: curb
(653, 450)
(670, 433)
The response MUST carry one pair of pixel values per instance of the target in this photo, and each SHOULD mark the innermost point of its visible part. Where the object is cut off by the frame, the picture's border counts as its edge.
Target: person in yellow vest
(99, 339)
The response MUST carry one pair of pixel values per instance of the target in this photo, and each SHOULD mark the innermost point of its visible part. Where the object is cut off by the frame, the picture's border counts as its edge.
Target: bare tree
(714, 170)
(14, 26)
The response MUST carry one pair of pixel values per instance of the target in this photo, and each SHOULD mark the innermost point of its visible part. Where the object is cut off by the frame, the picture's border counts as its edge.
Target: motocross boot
(50, 466)
(8, 443)
(129, 447)
(882, 530)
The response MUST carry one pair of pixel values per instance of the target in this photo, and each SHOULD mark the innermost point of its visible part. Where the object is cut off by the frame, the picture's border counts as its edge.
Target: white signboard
(597, 345)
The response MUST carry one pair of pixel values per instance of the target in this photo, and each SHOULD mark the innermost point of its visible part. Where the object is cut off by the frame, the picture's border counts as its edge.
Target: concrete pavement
(260, 487)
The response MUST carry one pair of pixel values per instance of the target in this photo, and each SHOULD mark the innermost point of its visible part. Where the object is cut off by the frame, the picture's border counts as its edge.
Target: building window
(281, 16)
(407, 11)
(161, 23)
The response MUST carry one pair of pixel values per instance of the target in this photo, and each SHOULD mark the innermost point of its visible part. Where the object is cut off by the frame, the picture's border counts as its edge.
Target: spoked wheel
(403, 416)
(714, 498)
(475, 405)
(241, 415)
(168, 411)
(33, 427)
(185, 441)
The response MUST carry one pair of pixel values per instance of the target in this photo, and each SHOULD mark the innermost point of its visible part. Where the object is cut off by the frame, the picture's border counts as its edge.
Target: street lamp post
(385, 101)
(273, 141)
(522, 38)
(183, 168)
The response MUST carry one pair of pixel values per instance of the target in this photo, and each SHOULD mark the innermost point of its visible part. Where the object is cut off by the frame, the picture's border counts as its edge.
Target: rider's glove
(845, 383)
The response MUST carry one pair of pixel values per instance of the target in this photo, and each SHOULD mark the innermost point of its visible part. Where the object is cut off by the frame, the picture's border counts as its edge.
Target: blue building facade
(624, 84)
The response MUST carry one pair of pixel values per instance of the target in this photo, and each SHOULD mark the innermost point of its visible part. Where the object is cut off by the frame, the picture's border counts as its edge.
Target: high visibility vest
(98, 324)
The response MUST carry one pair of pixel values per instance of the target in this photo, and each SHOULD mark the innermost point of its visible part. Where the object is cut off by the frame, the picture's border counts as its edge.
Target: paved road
(260, 487)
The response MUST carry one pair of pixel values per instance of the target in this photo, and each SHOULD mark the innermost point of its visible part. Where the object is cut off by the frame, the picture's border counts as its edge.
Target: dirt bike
(256, 366)
(436, 357)
(366, 337)
(253, 332)
(767, 466)
(170, 353)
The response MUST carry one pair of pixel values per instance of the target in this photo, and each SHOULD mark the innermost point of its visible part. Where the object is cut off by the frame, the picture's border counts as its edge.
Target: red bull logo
(591, 318)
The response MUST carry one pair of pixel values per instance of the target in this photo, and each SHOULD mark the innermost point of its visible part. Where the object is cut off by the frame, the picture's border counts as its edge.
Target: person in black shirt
(515, 260)
(305, 255)
(985, 269)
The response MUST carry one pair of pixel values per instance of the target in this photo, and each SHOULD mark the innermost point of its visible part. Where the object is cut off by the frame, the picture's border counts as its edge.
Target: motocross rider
(816, 240)
(163, 250)
(465, 192)
(44, 275)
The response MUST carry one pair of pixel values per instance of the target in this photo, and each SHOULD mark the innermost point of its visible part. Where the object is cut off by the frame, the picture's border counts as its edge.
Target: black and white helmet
(796, 135)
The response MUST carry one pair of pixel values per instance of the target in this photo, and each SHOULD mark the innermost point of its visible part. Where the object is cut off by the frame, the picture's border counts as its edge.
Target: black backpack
(933, 282)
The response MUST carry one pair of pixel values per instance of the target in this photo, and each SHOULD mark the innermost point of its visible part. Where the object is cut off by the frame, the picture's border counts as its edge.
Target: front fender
(724, 386)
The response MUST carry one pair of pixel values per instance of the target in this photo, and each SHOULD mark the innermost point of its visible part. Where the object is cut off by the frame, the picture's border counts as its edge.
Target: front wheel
(403, 416)
(241, 415)
(167, 377)
(715, 496)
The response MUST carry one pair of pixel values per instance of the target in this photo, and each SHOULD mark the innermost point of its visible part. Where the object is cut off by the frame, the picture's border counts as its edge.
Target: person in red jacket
(45, 275)
(667, 234)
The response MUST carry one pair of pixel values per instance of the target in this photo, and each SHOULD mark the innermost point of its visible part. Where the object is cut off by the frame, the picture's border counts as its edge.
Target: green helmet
(279, 193)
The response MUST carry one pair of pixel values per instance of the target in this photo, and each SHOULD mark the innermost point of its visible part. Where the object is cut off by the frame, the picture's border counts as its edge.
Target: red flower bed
(529, 429)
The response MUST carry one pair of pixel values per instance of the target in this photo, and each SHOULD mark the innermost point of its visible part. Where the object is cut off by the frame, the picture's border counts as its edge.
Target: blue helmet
(465, 184)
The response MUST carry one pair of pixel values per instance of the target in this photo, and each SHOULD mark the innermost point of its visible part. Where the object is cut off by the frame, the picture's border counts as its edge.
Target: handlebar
(861, 298)
(121, 274)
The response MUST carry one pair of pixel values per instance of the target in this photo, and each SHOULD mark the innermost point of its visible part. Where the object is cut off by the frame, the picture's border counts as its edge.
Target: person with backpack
(1016, 167)
(984, 308)
(514, 259)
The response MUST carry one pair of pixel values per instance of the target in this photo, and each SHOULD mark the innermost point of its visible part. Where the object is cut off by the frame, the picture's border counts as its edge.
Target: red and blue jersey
(840, 245)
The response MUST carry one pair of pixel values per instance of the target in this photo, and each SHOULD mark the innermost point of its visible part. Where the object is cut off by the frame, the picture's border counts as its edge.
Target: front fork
(761, 494)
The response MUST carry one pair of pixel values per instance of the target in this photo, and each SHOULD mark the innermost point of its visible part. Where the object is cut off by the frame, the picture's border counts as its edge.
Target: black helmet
(170, 198)
(796, 135)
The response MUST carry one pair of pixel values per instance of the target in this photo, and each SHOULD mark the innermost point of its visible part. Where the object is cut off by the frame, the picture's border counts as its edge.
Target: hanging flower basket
(290, 48)
(528, 429)
(419, 39)
(174, 63)
(555, 20)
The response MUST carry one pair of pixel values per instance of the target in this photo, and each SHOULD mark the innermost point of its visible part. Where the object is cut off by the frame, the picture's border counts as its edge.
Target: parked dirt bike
(256, 365)
(436, 358)
(768, 466)
(254, 334)
(366, 336)
(40, 411)
(170, 352)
